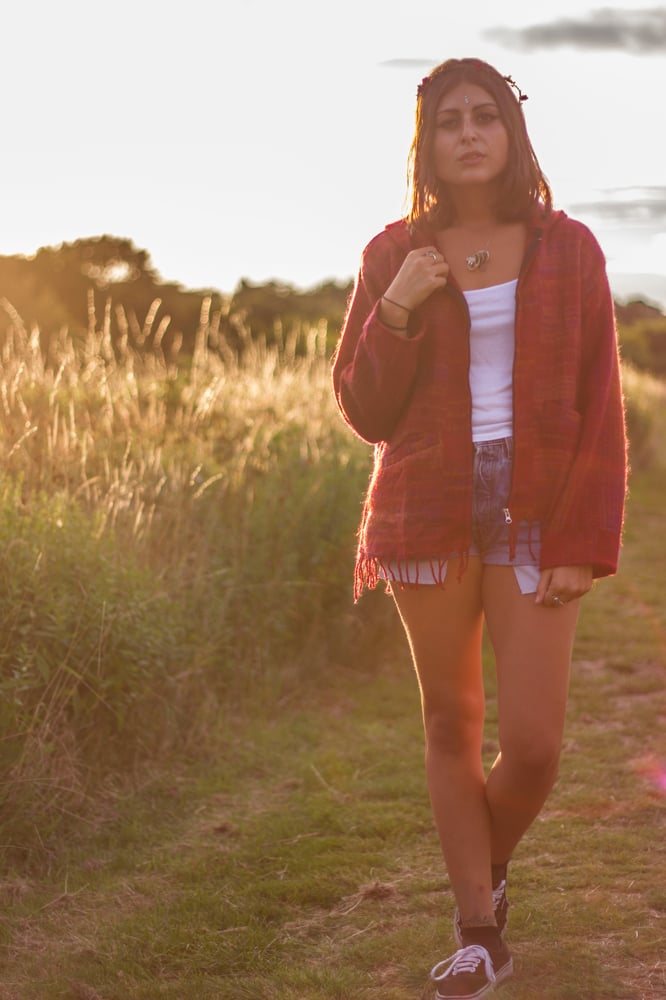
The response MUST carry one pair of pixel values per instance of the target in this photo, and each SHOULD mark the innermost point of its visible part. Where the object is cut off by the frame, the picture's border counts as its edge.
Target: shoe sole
(504, 973)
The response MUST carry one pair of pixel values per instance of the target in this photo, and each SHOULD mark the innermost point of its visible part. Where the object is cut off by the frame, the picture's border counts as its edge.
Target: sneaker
(471, 972)
(501, 905)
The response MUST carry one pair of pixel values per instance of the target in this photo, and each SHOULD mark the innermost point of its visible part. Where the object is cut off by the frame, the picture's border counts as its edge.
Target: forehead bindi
(464, 96)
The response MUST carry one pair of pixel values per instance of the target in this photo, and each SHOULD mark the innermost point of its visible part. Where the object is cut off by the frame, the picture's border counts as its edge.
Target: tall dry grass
(646, 417)
(177, 537)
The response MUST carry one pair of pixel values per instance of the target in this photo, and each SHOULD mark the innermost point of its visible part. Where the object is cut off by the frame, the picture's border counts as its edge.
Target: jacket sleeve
(585, 525)
(373, 367)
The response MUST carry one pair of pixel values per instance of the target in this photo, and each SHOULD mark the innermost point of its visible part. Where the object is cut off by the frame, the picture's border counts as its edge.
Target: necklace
(460, 237)
(477, 260)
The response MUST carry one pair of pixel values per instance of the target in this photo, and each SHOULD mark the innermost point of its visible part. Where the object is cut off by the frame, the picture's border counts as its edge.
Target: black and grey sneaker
(501, 906)
(471, 972)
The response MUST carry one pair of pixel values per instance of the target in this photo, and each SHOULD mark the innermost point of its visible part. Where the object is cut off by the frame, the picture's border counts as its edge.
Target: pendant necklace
(477, 260)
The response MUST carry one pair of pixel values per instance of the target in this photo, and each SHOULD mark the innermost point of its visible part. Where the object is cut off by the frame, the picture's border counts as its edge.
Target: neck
(473, 209)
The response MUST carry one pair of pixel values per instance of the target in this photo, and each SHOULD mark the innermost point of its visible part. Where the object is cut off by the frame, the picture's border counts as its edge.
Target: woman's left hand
(563, 584)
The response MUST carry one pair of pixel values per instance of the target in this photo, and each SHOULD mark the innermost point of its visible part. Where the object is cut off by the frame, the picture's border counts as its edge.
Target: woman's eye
(486, 117)
(448, 123)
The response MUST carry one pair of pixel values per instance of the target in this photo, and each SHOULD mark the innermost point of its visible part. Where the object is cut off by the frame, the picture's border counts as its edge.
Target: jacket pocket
(409, 446)
(405, 507)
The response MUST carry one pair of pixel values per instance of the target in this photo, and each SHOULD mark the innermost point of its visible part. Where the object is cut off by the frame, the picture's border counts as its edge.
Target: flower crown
(507, 79)
(512, 83)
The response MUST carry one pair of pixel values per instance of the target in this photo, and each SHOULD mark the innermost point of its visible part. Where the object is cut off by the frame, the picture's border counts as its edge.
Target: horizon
(626, 287)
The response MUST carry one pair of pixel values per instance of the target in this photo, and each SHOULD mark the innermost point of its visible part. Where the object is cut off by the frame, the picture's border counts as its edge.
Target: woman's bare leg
(532, 646)
(444, 629)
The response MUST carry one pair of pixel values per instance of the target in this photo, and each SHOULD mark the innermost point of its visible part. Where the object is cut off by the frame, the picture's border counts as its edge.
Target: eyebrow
(475, 107)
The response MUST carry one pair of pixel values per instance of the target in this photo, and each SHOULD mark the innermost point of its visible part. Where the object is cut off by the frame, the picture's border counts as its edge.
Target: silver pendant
(477, 260)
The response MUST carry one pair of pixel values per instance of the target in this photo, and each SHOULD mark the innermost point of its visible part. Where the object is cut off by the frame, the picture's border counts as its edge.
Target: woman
(479, 356)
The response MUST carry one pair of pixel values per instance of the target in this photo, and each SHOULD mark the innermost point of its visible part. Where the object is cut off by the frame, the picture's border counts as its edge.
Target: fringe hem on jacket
(371, 570)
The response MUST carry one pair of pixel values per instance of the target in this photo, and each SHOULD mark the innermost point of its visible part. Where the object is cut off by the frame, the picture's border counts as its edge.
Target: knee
(535, 756)
(452, 729)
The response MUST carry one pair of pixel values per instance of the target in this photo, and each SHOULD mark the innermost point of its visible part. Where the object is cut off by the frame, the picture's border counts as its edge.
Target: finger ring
(557, 601)
(431, 254)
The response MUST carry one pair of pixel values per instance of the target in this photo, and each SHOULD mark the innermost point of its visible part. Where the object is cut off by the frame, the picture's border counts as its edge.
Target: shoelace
(466, 960)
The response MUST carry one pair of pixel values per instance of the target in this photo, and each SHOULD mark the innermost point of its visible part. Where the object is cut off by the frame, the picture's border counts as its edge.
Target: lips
(472, 158)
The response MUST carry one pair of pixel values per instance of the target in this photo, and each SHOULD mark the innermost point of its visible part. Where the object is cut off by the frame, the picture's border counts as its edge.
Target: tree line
(108, 280)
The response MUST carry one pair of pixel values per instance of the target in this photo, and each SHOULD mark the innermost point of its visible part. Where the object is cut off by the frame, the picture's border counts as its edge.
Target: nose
(468, 129)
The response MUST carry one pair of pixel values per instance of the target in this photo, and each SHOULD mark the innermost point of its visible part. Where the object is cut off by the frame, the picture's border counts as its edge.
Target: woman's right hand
(421, 273)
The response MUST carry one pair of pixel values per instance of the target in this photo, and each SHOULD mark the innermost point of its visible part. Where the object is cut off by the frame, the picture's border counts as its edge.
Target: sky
(266, 140)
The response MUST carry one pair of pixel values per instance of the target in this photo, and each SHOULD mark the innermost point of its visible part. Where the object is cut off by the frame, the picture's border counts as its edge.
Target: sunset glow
(251, 140)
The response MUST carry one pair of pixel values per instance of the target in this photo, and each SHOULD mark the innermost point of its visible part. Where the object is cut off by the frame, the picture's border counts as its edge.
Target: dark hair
(523, 184)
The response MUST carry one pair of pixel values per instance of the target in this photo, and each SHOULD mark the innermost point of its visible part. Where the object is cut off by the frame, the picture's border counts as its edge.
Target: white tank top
(492, 345)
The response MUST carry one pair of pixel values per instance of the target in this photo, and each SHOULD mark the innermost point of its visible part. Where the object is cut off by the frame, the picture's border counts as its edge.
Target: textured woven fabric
(410, 397)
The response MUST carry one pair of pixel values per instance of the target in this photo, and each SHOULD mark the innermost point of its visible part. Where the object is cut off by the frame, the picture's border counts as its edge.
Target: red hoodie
(410, 397)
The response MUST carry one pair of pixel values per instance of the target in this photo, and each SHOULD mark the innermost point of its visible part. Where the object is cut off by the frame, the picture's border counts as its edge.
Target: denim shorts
(491, 518)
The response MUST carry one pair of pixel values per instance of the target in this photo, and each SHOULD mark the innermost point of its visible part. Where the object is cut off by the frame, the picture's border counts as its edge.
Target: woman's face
(471, 144)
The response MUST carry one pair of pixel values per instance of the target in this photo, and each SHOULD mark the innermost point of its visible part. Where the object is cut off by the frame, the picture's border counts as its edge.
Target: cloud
(634, 31)
(634, 206)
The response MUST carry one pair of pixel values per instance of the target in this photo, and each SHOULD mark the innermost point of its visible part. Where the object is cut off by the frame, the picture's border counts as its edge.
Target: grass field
(211, 775)
(300, 860)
